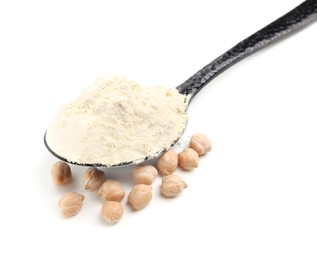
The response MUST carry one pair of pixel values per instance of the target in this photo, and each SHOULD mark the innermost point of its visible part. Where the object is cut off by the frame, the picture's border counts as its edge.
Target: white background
(253, 197)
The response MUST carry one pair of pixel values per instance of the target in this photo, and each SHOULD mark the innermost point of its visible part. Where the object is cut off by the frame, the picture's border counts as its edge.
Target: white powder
(117, 121)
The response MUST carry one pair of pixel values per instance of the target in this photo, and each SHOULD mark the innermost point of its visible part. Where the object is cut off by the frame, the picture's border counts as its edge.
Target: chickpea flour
(117, 120)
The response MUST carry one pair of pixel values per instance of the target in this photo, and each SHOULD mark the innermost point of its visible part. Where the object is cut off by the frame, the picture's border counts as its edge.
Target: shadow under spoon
(296, 19)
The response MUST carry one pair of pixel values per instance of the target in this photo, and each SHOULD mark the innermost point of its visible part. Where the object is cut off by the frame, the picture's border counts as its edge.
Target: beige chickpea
(200, 143)
(61, 173)
(167, 163)
(140, 196)
(111, 190)
(144, 174)
(112, 211)
(93, 178)
(188, 159)
(71, 203)
(172, 186)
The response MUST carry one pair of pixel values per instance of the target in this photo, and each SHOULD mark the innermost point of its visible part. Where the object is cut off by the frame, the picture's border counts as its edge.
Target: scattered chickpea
(93, 178)
(112, 211)
(61, 173)
(111, 190)
(188, 159)
(71, 203)
(172, 186)
(200, 143)
(140, 196)
(167, 163)
(144, 174)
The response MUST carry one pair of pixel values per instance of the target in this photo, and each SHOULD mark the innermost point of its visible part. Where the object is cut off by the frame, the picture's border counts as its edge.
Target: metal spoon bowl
(296, 19)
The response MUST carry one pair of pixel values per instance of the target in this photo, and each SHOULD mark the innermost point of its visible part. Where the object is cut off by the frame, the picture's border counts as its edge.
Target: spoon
(296, 19)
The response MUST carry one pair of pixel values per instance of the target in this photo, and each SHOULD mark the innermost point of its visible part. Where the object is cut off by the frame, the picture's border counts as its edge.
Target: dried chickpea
(144, 174)
(167, 163)
(112, 211)
(93, 178)
(71, 203)
(172, 186)
(200, 143)
(61, 173)
(111, 190)
(140, 196)
(188, 159)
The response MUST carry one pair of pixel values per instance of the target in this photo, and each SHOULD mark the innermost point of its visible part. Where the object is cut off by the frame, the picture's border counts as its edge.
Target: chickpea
(144, 174)
(60, 173)
(112, 211)
(111, 190)
(200, 143)
(172, 186)
(140, 196)
(188, 159)
(167, 163)
(93, 178)
(71, 203)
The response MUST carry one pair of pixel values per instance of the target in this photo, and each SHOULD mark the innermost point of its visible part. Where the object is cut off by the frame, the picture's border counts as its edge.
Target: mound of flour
(117, 120)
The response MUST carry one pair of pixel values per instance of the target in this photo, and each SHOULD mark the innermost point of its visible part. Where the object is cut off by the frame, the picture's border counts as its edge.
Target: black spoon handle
(299, 17)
